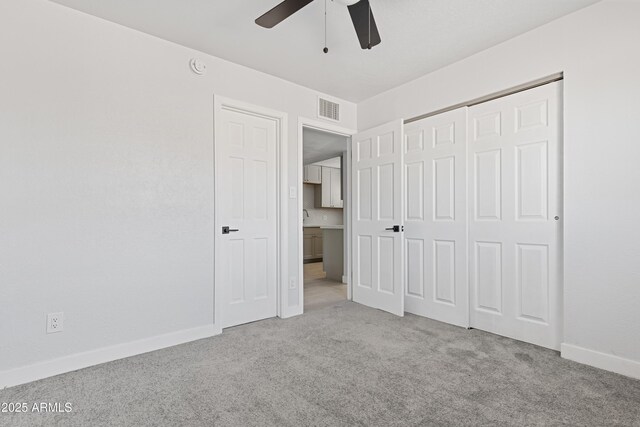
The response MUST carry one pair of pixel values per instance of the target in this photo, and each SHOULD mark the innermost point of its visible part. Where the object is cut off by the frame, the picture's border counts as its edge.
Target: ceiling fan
(360, 12)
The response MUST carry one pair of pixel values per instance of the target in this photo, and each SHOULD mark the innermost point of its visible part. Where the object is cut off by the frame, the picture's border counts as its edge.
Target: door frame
(338, 130)
(280, 119)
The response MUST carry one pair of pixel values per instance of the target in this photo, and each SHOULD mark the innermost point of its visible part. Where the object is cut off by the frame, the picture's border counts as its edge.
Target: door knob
(557, 218)
(227, 230)
(395, 228)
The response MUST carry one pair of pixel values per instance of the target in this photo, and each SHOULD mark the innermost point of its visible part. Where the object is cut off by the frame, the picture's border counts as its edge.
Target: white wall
(597, 48)
(106, 177)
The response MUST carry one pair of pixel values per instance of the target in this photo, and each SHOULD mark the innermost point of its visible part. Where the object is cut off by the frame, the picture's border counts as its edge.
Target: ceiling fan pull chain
(326, 49)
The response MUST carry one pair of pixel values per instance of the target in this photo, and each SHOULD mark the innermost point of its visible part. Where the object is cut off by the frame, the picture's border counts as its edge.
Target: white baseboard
(73, 362)
(85, 359)
(608, 362)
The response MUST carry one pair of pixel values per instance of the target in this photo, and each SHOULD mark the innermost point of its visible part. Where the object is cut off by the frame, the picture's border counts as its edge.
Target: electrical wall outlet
(292, 283)
(55, 322)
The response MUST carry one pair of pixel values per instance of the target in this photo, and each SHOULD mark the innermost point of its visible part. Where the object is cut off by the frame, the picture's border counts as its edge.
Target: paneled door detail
(246, 200)
(436, 284)
(515, 215)
(377, 218)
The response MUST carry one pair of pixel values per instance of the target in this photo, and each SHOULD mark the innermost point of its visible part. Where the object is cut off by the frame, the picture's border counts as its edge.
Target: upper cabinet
(336, 188)
(313, 174)
(330, 194)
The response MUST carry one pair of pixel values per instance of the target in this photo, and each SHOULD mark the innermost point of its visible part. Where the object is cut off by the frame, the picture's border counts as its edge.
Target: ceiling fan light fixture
(360, 11)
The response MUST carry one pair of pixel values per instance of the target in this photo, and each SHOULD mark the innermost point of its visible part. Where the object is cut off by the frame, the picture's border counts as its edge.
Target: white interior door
(436, 218)
(246, 197)
(377, 209)
(515, 215)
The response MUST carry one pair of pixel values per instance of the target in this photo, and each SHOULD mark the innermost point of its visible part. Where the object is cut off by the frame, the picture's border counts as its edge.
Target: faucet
(306, 211)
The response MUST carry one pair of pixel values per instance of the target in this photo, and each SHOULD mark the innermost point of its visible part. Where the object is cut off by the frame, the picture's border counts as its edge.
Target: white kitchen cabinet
(336, 188)
(312, 174)
(330, 194)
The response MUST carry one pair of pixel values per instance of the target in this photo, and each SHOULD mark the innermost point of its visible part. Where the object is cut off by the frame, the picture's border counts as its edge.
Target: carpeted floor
(341, 365)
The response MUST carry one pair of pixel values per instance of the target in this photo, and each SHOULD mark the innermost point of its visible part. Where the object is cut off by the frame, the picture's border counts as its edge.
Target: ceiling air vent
(328, 110)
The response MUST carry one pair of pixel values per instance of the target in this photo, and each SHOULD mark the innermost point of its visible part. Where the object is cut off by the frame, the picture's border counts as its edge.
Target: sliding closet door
(515, 215)
(436, 283)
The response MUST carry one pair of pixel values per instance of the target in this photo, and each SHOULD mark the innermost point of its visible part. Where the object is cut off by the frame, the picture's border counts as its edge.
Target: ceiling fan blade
(281, 12)
(364, 24)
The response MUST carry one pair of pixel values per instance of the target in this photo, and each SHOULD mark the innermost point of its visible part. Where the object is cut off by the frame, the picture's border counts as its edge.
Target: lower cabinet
(307, 246)
(317, 245)
(312, 243)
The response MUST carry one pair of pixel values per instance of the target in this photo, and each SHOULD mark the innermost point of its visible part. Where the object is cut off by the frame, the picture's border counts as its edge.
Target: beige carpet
(342, 365)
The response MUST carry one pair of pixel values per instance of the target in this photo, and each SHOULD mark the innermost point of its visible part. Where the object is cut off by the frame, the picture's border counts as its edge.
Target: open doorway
(324, 217)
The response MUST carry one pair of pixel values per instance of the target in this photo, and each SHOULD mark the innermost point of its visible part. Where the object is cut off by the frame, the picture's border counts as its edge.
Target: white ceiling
(318, 145)
(418, 36)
